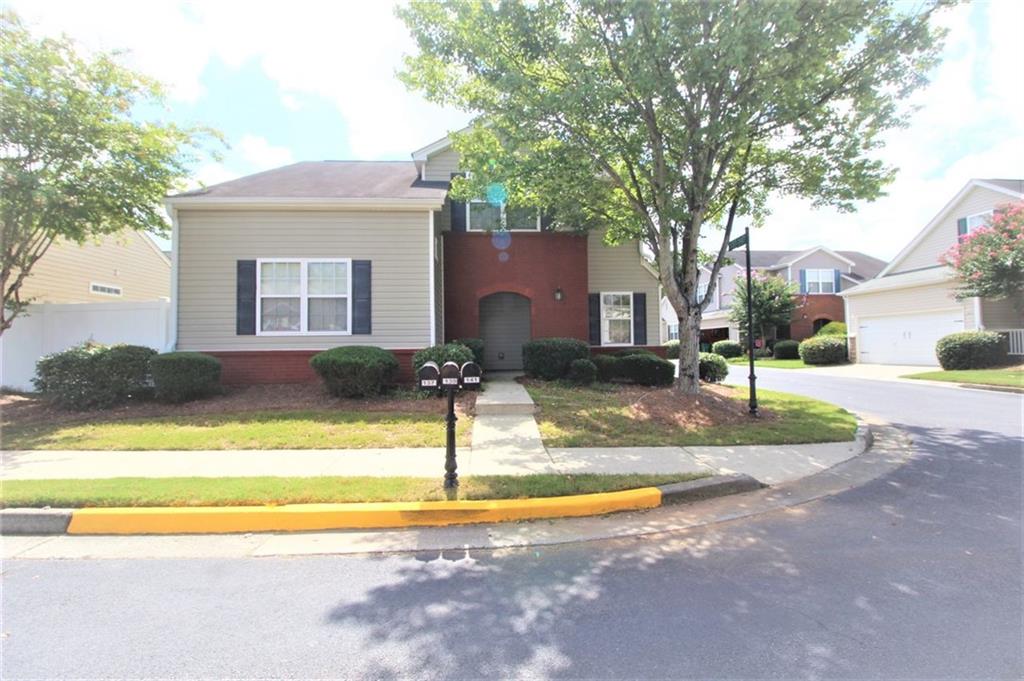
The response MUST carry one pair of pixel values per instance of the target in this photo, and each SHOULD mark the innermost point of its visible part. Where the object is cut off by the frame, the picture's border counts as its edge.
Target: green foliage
(634, 351)
(971, 350)
(713, 368)
(549, 358)
(823, 350)
(582, 372)
(833, 329)
(773, 301)
(727, 348)
(75, 164)
(656, 119)
(607, 367)
(476, 346)
(672, 349)
(94, 376)
(646, 369)
(990, 260)
(184, 376)
(449, 352)
(356, 370)
(787, 349)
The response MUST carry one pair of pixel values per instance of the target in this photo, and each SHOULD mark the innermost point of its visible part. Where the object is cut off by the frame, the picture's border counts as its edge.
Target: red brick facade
(285, 366)
(811, 309)
(530, 264)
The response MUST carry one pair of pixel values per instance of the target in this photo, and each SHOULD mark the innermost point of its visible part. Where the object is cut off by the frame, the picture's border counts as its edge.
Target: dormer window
(483, 216)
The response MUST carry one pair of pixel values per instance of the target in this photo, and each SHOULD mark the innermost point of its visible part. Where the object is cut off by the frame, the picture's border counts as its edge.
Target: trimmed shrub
(762, 353)
(582, 372)
(832, 329)
(607, 367)
(549, 358)
(449, 352)
(356, 370)
(476, 346)
(823, 350)
(787, 349)
(647, 369)
(94, 376)
(713, 368)
(184, 376)
(634, 351)
(971, 350)
(672, 349)
(727, 348)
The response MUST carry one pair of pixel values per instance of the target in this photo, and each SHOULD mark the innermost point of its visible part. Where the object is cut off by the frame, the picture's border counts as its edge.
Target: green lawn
(1012, 377)
(249, 430)
(601, 417)
(262, 491)
(772, 363)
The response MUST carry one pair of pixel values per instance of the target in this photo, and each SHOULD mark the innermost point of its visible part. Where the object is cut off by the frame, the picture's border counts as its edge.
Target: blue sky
(315, 80)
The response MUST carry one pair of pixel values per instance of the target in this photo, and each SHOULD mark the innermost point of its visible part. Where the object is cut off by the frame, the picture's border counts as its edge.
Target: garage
(906, 338)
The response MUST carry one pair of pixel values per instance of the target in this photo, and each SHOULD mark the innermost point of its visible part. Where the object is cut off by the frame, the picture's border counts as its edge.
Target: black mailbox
(428, 376)
(471, 374)
(450, 376)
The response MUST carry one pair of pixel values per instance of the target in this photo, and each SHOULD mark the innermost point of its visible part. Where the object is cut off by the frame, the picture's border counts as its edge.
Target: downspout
(431, 287)
(172, 324)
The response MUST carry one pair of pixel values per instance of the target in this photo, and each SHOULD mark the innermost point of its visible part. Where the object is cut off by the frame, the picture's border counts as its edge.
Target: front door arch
(504, 327)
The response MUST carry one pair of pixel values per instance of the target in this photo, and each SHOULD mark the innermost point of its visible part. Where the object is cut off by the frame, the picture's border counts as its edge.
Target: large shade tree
(74, 161)
(659, 121)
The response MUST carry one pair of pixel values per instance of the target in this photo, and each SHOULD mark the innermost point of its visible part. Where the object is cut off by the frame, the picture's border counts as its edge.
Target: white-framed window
(821, 281)
(483, 216)
(105, 289)
(303, 296)
(978, 220)
(702, 290)
(673, 331)
(616, 318)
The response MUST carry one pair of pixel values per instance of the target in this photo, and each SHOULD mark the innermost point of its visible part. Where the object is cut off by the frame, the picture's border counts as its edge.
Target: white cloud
(262, 155)
(291, 102)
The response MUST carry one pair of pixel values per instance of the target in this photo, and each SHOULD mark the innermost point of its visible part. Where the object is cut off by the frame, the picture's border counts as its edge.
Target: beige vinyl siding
(619, 268)
(943, 235)
(128, 260)
(441, 165)
(817, 261)
(211, 242)
(1000, 314)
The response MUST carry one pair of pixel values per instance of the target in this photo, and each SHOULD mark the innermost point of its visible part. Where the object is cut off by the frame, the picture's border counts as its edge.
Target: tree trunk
(688, 381)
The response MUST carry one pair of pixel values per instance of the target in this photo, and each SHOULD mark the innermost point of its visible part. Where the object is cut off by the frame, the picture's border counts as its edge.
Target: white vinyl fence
(50, 327)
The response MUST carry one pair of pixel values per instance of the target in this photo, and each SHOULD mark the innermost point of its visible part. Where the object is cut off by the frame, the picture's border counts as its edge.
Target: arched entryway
(504, 327)
(820, 322)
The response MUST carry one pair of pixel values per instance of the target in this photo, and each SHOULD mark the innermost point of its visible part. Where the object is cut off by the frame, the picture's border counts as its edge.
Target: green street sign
(737, 242)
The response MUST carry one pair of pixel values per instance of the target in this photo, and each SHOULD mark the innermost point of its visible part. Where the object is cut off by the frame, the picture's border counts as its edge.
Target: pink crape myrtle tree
(990, 260)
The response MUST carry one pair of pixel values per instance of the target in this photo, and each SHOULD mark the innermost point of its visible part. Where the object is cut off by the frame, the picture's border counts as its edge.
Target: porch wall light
(559, 295)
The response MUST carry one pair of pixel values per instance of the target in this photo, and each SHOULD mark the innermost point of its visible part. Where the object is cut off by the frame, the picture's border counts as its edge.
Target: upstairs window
(821, 281)
(304, 297)
(483, 216)
(978, 220)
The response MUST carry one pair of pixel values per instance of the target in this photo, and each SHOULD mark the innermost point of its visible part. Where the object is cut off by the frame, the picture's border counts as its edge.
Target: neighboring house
(274, 267)
(819, 273)
(897, 317)
(127, 266)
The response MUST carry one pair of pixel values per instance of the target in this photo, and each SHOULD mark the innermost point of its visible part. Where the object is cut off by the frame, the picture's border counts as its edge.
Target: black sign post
(735, 243)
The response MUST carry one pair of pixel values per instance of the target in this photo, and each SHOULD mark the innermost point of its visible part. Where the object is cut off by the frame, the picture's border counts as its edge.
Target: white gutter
(172, 324)
(430, 287)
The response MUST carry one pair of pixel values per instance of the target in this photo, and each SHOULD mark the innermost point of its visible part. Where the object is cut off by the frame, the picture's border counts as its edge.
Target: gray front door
(504, 327)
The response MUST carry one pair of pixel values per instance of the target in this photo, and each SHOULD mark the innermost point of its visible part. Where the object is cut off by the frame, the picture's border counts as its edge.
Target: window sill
(303, 333)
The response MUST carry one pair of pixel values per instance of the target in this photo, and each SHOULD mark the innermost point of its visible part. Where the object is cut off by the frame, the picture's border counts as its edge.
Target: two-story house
(897, 317)
(819, 275)
(271, 268)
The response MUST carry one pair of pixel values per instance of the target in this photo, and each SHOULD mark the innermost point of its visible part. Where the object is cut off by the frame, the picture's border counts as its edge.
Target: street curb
(708, 488)
(34, 520)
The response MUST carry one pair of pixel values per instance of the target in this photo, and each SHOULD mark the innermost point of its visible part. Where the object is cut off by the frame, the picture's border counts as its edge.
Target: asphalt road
(915, 575)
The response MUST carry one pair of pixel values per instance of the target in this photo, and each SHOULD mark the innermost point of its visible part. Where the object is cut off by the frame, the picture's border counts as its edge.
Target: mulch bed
(27, 410)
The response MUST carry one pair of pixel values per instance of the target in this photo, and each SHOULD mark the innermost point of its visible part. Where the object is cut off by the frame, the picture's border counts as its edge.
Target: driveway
(914, 575)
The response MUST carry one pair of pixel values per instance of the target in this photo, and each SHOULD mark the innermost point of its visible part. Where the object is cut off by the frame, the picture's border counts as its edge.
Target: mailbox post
(449, 378)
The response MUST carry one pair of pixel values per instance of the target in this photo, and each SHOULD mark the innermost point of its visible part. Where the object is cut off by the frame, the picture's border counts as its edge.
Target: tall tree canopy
(74, 164)
(655, 119)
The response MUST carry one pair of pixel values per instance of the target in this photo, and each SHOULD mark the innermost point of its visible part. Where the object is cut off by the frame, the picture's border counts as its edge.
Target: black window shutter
(361, 298)
(594, 300)
(961, 227)
(546, 220)
(458, 212)
(639, 319)
(245, 298)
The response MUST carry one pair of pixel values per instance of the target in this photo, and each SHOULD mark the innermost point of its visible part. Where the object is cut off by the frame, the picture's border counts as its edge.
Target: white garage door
(906, 339)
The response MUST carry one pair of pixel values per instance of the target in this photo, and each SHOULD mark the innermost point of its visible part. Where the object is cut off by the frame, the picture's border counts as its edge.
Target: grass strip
(602, 417)
(1011, 378)
(771, 363)
(259, 491)
(248, 430)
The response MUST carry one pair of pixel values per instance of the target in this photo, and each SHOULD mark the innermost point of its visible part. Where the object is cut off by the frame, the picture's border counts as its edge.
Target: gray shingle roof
(865, 266)
(1012, 185)
(330, 180)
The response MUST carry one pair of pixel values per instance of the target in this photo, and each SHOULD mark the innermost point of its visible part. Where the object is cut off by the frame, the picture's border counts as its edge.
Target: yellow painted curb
(308, 517)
